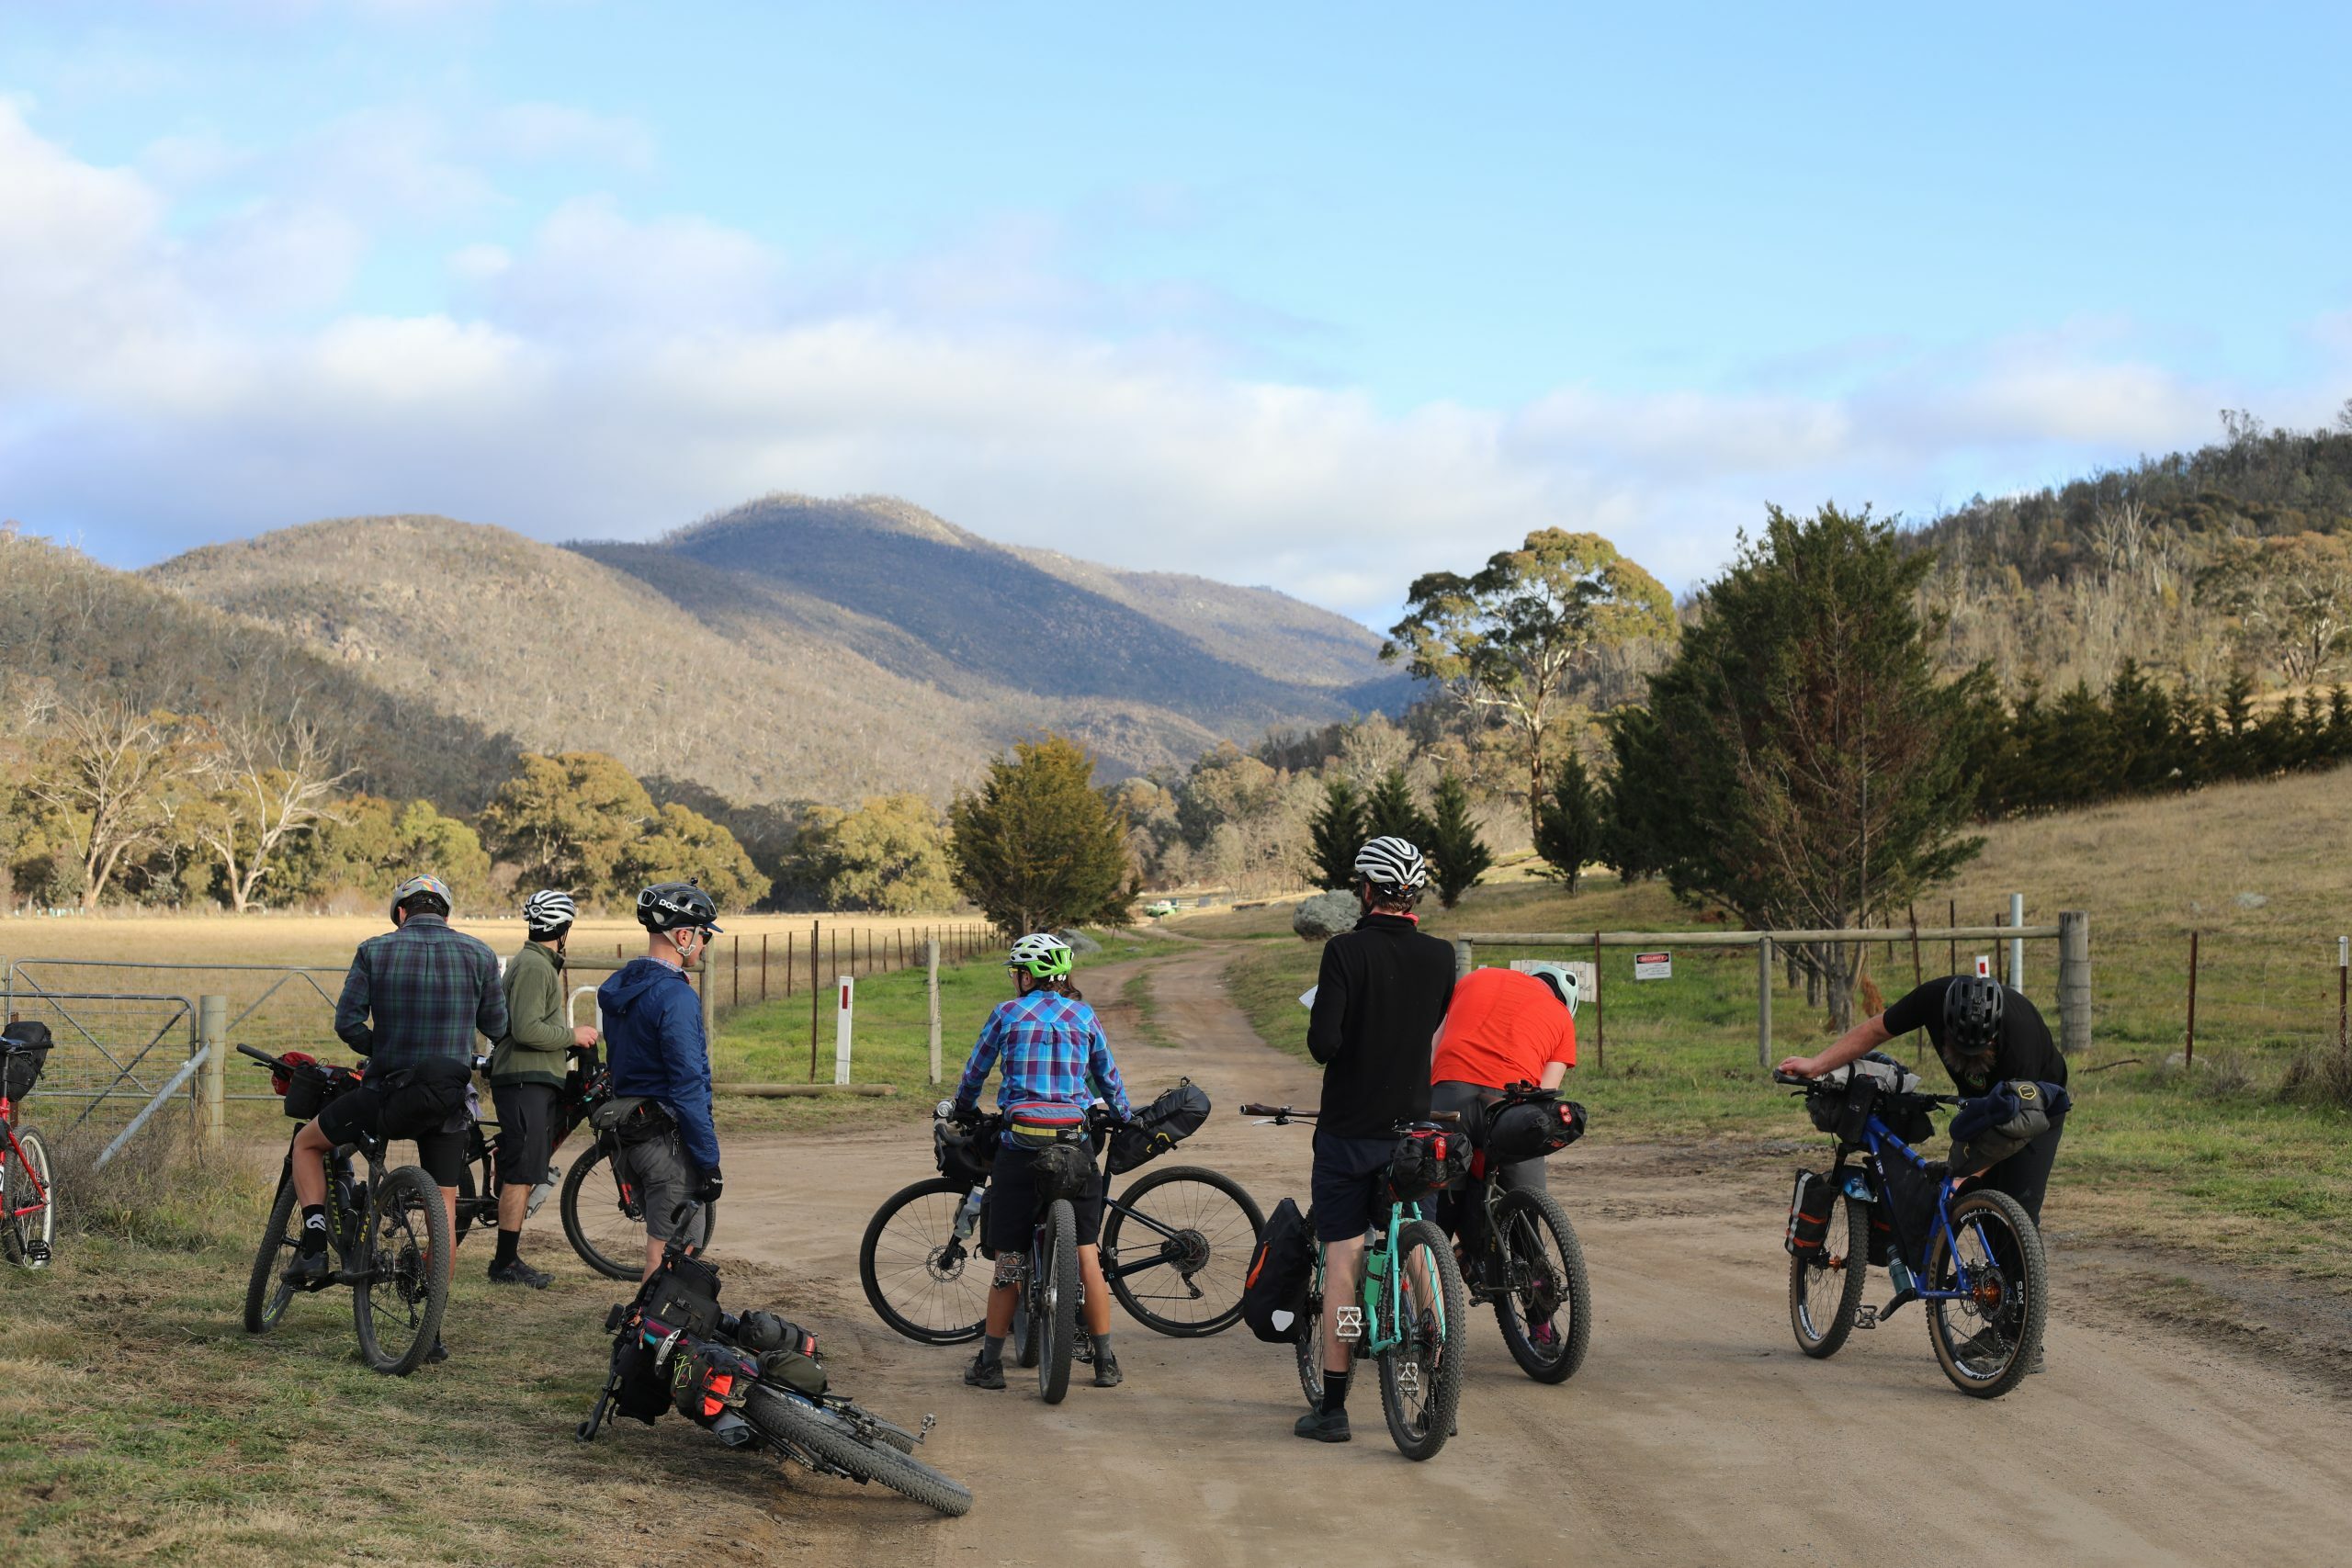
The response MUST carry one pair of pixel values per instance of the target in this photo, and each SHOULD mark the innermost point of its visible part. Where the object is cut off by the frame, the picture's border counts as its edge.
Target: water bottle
(1900, 1272)
(538, 1196)
(968, 1215)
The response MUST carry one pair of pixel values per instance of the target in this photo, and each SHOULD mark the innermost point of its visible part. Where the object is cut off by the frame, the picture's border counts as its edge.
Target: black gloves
(710, 1189)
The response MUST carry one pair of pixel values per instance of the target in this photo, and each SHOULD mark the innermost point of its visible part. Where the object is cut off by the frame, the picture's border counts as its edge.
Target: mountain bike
(1175, 1245)
(1522, 1256)
(1974, 1260)
(604, 1213)
(729, 1390)
(27, 1198)
(1413, 1317)
(388, 1232)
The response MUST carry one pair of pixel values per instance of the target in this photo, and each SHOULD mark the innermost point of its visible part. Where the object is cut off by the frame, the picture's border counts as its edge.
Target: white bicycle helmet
(1044, 955)
(1393, 865)
(548, 911)
(1563, 981)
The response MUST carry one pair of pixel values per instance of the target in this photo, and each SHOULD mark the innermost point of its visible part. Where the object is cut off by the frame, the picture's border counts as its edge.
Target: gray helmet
(424, 892)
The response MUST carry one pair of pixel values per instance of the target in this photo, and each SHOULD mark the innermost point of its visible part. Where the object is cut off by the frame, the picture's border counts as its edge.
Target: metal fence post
(709, 967)
(1463, 962)
(2073, 982)
(212, 1038)
(816, 992)
(2343, 993)
(2017, 943)
(2188, 1051)
(931, 963)
(1764, 1000)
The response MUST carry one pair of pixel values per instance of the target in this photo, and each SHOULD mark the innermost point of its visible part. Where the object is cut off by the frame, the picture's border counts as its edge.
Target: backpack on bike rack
(23, 1066)
(1529, 1127)
(1427, 1160)
(1158, 1127)
(1809, 1209)
(1274, 1293)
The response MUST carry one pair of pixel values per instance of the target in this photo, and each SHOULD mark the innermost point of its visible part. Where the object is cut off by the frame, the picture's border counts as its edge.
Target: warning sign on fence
(1653, 966)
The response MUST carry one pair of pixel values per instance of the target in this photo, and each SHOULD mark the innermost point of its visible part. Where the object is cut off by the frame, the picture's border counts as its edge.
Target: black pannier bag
(1160, 1127)
(631, 1119)
(1531, 1129)
(1064, 1171)
(640, 1391)
(1274, 1293)
(23, 1068)
(1427, 1160)
(962, 1152)
(1809, 1209)
(1908, 1195)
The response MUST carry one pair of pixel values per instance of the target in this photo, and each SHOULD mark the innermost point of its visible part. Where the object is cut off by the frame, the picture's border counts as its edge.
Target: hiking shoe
(985, 1373)
(1107, 1371)
(2039, 1366)
(309, 1270)
(1322, 1429)
(438, 1354)
(519, 1273)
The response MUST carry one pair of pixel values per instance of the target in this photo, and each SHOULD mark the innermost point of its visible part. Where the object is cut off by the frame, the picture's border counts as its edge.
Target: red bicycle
(27, 1206)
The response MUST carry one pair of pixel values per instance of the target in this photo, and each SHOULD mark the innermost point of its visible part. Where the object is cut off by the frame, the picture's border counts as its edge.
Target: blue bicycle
(1972, 1257)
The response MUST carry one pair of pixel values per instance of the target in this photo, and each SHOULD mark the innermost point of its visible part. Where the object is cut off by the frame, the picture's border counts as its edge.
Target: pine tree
(1570, 830)
(1460, 856)
(1390, 812)
(1037, 846)
(1337, 831)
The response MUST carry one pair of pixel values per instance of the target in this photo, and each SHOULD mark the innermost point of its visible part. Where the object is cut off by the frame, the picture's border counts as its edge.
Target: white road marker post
(848, 994)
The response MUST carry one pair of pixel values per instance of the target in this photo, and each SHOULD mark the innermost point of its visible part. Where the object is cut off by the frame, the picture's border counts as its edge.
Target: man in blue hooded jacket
(654, 1041)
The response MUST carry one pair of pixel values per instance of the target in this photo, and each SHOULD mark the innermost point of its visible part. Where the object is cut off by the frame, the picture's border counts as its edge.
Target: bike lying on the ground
(27, 1198)
(673, 1347)
(388, 1232)
(1413, 1318)
(1520, 1254)
(1175, 1245)
(1975, 1259)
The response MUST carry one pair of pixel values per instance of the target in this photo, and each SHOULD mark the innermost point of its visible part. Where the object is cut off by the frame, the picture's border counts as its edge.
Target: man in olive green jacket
(527, 1072)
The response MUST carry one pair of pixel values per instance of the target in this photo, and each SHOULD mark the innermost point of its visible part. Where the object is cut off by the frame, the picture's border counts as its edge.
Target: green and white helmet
(1043, 954)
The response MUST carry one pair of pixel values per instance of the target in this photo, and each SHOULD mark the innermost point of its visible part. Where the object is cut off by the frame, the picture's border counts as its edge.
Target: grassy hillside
(2216, 1154)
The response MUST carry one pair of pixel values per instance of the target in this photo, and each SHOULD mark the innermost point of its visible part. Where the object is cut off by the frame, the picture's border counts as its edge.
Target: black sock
(1335, 1393)
(314, 1227)
(1102, 1343)
(507, 1242)
(991, 1349)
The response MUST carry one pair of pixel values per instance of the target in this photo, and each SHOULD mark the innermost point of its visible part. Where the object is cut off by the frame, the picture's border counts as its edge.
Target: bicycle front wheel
(1545, 1313)
(26, 1238)
(796, 1424)
(405, 1253)
(1309, 1344)
(604, 1219)
(1420, 1376)
(266, 1293)
(1987, 1340)
(1057, 1302)
(920, 1278)
(1188, 1235)
(1825, 1289)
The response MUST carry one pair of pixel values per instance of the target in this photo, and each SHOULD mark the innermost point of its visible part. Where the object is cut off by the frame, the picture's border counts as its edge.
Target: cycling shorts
(1349, 1186)
(526, 1114)
(1013, 1204)
(358, 1112)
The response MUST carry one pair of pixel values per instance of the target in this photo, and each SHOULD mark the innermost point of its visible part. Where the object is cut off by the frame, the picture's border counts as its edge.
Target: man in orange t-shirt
(1503, 1028)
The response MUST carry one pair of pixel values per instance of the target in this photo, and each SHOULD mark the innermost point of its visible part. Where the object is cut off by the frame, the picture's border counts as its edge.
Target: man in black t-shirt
(1985, 1033)
(1380, 997)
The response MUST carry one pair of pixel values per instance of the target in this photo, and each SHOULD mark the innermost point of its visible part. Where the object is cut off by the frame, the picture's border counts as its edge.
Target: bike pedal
(1866, 1317)
(36, 1253)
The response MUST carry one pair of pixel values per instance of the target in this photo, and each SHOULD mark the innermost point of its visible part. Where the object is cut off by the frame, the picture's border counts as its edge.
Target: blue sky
(1324, 297)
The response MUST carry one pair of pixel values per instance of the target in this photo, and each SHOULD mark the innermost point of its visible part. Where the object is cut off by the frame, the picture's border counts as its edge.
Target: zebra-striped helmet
(1393, 865)
(549, 911)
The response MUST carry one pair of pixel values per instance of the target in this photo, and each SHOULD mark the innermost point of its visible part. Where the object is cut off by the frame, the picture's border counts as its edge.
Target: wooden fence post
(934, 965)
(2188, 1052)
(2074, 982)
(736, 996)
(1600, 1024)
(816, 995)
(1763, 1000)
(1951, 922)
(212, 1079)
(1916, 975)
(763, 966)
(1463, 961)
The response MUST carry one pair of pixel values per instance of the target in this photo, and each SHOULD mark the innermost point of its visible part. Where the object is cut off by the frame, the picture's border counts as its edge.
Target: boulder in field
(1079, 943)
(1325, 916)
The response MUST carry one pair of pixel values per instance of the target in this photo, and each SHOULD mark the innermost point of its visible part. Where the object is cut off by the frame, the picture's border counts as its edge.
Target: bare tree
(113, 770)
(272, 782)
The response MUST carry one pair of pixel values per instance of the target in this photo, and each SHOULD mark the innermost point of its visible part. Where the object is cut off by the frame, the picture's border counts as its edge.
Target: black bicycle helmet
(1972, 1014)
(672, 906)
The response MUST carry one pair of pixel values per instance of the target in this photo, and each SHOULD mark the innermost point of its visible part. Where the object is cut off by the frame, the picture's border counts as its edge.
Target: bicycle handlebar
(1779, 1076)
(264, 1057)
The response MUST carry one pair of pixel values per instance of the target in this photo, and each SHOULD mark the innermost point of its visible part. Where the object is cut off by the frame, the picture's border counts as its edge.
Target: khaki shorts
(663, 1178)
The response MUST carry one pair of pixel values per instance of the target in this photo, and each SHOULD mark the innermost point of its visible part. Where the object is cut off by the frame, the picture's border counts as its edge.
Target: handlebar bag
(1160, 1127)
(1427, 1160)
(1531, 1128)
(683, 1295)
(961, 1154)
(1809, 1208)
(426, 1098)
(21, 1068)
(1274, 1293)
(1064, 1171)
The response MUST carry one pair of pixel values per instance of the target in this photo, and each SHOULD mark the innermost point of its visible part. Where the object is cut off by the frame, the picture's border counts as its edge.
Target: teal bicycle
(1414, 1315)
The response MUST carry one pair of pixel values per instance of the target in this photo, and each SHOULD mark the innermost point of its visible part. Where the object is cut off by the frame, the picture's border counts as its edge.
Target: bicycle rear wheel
(405, 1251)
(1825, 1291)
(920, 1278)
(1057, 1302)
(266, 1293)
(1545, 1310)
(602, 1219)
(1986, 1342)
(1309, 1345)
(1420, 1377)
(1195, 1230)
(798, 1425)
(26, 1238)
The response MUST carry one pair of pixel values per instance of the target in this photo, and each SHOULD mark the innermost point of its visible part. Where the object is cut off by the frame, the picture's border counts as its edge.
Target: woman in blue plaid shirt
(1054, 1061)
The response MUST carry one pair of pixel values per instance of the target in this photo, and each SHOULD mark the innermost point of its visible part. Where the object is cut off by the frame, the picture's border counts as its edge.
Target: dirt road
(1695, 1433)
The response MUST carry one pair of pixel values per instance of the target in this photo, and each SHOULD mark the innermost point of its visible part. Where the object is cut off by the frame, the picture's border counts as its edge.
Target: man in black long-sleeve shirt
(1379, 1001)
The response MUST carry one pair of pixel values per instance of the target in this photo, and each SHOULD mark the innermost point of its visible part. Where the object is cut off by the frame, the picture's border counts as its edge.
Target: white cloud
(614, 377)
(546, 132)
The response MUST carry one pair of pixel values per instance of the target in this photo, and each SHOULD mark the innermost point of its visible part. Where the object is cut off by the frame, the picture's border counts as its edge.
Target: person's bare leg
(514, 1206)
(310, 1163)
(1098, 1290)
(653, 1251)
(1342, 1268)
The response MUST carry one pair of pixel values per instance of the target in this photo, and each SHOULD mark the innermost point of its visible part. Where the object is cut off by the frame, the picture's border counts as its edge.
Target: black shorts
(1349, 1185)
(358, 1112)
(1013, 1204)
(525, 1130)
